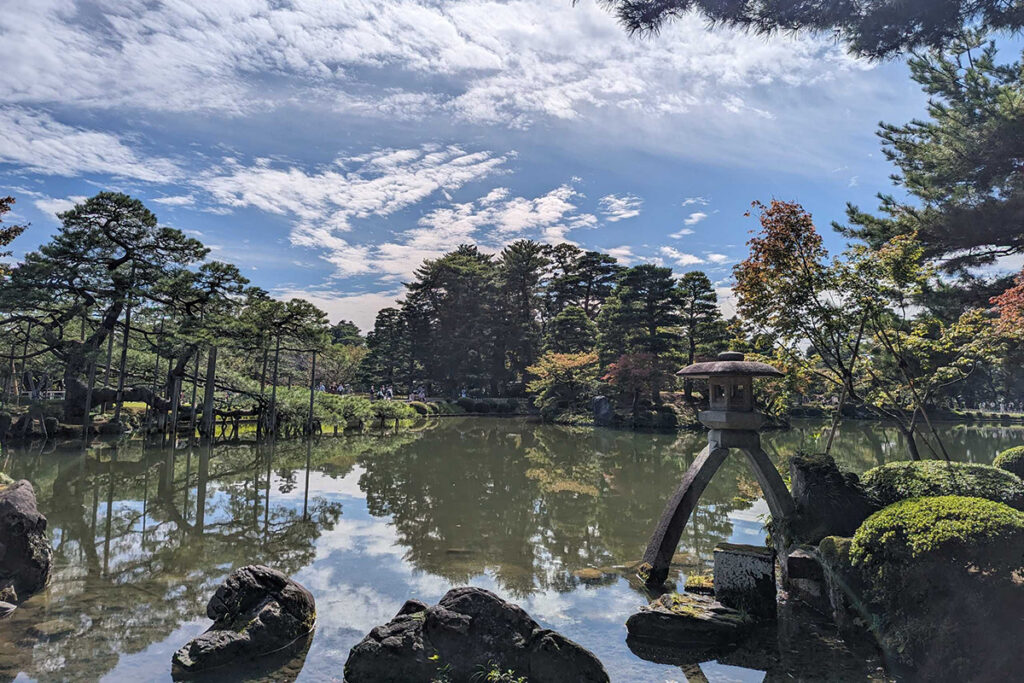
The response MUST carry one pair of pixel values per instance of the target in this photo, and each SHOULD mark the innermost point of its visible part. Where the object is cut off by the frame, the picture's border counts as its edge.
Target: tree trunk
(908, 434)
(835, 421)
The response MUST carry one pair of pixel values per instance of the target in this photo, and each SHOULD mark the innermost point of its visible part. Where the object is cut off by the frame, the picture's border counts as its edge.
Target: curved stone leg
(673, 520)
(780, 502)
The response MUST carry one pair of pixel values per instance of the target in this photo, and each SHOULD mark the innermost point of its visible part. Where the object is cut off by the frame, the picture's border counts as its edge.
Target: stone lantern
(733, 423)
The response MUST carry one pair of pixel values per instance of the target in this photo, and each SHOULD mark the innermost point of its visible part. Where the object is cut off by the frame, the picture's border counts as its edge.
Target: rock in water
(256, 611)
(25, 554)
(685, 622)
(466, 635)
(830, 502)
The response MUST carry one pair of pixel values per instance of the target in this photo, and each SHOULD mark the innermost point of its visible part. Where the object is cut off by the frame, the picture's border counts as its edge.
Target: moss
(835, 550)
(953, 530)
(938, 580)
(1011, 460)
(898, 481)
(703, 584)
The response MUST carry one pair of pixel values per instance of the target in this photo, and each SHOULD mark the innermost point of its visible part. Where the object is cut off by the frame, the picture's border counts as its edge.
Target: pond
(143, 537)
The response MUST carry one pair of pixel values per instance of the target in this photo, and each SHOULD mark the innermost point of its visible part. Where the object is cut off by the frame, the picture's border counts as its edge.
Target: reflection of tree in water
(863, 444)
(532, 504)
(142, 539)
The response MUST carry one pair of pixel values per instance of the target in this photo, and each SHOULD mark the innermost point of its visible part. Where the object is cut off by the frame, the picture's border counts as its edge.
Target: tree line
(488, 324)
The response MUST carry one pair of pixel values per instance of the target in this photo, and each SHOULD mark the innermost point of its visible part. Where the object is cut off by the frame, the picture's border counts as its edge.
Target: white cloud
(689, 201)
(679, 234)
(490, 222)
(184, 56)
(36, 142)
(679, 258)
(695, 218)
(726, 301)
(623, 253)
(51, 206)
(359, 308)
(618, 207)
(717, 258)
(325, 201)
(176, 200)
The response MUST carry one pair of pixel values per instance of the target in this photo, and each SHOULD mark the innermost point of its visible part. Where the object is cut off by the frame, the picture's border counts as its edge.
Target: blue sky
(328, 146)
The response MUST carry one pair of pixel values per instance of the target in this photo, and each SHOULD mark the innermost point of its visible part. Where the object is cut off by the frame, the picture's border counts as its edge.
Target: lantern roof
(729, 363)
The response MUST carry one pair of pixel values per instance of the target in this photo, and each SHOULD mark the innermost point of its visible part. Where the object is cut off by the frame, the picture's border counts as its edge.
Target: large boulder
(25, 553)
(256, 611)
(898, 481)
(829, 502)
(469, 633)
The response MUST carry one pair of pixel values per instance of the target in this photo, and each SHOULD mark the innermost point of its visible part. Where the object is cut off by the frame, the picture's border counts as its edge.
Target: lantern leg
(780, 501)
(665, 538)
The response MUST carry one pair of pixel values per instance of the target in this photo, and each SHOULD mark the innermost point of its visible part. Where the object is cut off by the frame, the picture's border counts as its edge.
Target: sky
(327, 147)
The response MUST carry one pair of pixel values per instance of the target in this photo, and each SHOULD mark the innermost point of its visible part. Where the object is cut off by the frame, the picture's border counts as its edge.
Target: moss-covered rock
(948, 529)
(1011, 460)
(937, 577)
(898, 481)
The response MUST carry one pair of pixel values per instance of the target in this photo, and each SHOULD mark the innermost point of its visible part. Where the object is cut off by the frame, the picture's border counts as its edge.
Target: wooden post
(195, 391)
(87, 416)
(312, 389)
(211, 372)
(272, 427)
(176, 394)
(106, 368)
(124, 358)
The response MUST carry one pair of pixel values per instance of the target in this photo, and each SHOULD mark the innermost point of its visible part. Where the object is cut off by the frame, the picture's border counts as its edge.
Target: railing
(48, 395)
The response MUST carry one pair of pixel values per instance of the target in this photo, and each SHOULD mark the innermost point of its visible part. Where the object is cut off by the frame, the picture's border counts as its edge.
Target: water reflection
(143, 536)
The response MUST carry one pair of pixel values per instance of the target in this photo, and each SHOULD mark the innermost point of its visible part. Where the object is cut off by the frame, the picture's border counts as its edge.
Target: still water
(142, 537)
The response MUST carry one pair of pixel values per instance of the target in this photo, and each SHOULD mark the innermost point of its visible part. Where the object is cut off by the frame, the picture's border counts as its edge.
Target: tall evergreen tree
(571, 331)
(961, 168)
(455, 296)
(519, 270)
(643, 317)
(701, 322)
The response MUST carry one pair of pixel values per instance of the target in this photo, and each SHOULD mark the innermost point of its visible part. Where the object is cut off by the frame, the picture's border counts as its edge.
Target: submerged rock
(688, 622)
(52, 629)
(25, 553)
(256, 611)
(467, 634)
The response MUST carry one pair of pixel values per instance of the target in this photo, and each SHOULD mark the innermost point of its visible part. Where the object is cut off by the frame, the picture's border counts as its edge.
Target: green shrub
(387, 411)
(937, 577)
(467, 404)
(897, 481)
(419, 407)
(1011, 460)
(971, 531)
